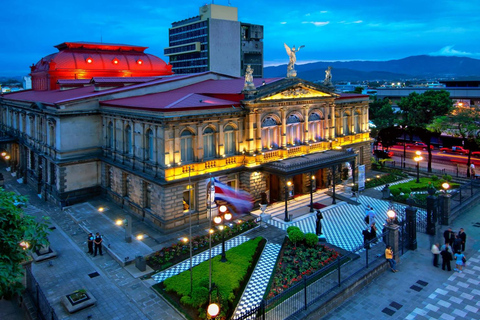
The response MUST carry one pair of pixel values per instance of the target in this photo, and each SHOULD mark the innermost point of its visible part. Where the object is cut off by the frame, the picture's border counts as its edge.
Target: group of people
(451, 250)
(95, 244)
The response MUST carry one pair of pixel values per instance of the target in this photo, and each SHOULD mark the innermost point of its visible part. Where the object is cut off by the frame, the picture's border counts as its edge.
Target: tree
(420, 110)
(19, 235)
(381, 114)
(461, 122)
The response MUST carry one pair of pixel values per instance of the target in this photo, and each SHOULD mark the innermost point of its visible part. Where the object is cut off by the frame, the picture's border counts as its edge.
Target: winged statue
(293, 58)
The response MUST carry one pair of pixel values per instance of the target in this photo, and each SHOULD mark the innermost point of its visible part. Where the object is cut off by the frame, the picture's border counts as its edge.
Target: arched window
(209, 143)
(149, 145)
(270, 131)
(110, 135)
(346, 130)
(51, 135)
(186, 146)
(128, 140)
(315, 123)
(294, 132)
(229, 140)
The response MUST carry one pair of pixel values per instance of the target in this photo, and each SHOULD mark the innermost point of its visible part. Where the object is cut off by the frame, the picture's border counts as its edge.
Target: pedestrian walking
(90, 239)
(370, 215)
(446, 254)
(98, 244)
(436, 254)
(459, 261)
(389, 257)
(319, 223)
(463, 236)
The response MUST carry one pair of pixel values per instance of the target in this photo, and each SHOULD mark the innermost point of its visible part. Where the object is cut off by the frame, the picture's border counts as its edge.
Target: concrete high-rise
(215, 41)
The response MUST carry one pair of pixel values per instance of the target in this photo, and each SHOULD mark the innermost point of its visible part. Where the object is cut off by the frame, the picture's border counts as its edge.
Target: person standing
(459, 256)
(373, 233)
(457, 244)
(446, 257)
(463, 237)
(319, 223)
(90, 239)
(366, 238)
(446, 235)
(98, 244)
(436, 254)
(389, 257)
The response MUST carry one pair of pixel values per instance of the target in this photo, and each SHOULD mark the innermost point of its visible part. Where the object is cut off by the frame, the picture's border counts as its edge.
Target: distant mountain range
(415, 67)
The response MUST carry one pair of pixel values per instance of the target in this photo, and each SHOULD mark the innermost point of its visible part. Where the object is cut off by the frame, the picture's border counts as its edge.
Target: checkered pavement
(379, 188)
(197, 259)
(457, 299)
(257, 285)
(343, 223)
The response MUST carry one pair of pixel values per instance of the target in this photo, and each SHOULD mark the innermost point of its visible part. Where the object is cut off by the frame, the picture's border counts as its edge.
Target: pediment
(296, 93)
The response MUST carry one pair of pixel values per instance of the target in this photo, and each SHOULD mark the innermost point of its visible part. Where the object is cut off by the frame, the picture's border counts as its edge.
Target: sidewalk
(419, 290)
(119, 295)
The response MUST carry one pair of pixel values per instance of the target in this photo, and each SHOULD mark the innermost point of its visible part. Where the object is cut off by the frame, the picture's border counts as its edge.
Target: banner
(240, 201)
(361, 177)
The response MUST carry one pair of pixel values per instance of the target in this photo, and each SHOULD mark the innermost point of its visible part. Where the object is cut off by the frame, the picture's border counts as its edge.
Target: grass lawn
(230, 278)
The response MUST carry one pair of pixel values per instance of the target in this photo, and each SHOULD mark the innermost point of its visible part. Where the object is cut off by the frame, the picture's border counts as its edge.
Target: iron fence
(44, 310)
(315, 287)
(455, 170)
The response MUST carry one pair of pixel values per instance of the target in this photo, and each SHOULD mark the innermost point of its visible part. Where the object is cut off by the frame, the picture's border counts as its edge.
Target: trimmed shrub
(296, 236)
(434, 178)
(292, 228)
(447, 177)
(311, 239)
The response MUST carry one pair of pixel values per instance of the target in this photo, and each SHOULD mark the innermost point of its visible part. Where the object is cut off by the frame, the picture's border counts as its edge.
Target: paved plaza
(418, 291)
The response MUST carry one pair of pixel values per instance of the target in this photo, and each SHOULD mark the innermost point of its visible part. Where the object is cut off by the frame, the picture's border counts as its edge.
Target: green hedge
(421, 186)
(227, 276)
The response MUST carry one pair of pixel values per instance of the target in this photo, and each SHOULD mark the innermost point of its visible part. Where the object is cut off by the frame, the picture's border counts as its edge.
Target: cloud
(317, 23)
(323, 11)
(449, 51)
(283, 22)
(358, 21)
(307, 15)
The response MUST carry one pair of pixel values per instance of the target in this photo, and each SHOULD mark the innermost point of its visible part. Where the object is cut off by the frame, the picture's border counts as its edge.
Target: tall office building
(215, 41)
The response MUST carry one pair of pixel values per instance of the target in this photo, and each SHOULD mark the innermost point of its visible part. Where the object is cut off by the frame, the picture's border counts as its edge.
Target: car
(383, 154)
(476, 154)
(454, 149)
(418, 146)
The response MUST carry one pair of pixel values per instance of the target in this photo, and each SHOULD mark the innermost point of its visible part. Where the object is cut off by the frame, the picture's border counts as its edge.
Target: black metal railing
(44, 310)
(314, 288)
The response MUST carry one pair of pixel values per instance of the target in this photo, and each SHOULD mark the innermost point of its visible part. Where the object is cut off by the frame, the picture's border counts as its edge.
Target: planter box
(74, 303)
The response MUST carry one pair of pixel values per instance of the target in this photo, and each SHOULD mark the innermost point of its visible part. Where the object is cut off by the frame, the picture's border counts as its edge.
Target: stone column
(258, 138)
(284, 128)
(251, 138)
(306, 136)
(393, 239)
(332, 121)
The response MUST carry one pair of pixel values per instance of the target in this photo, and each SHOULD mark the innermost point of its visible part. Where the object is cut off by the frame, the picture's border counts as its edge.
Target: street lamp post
(312, 186)
(417, 159)
(127, 223)
(226, 216)
(287, 185)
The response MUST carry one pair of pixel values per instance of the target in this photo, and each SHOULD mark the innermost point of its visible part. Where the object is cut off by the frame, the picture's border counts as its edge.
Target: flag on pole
(241, 201)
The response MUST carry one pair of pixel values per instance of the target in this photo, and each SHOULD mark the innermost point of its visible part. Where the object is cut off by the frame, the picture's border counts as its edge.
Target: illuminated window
(294, 133)
(209, 143)
(89, 60)
(186, 146)
(229, 140)
(315, 123)
(139, 61)
(149, 145)
(270, 132)
(346, 130)
(189, 199)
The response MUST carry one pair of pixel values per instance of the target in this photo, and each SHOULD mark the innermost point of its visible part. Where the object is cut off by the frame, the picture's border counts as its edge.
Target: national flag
(241, 201)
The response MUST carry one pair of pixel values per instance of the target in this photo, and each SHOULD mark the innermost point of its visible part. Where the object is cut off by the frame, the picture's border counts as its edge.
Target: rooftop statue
(249, 85)
(328, 77)
(293, 59)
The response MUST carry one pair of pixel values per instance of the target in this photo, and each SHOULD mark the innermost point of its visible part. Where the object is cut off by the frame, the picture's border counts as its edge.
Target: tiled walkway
(258, 282)
(457, 299)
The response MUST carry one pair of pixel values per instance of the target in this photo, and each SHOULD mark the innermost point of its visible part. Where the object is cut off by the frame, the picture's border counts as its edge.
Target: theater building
(151, 143)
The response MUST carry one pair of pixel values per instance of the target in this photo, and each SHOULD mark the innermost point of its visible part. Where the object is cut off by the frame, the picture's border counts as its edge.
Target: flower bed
(177, 252)
(298, 261)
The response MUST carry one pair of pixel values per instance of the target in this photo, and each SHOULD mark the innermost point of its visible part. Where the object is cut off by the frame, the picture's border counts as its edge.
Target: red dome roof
(82, 60)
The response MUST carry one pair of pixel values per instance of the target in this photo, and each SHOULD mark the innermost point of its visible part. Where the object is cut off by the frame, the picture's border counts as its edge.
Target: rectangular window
(189, 199)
